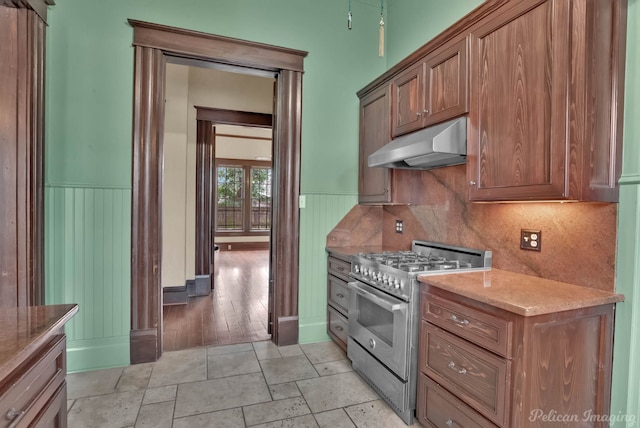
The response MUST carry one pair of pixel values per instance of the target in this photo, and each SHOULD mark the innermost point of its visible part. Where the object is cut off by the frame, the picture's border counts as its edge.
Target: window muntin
(244, 198)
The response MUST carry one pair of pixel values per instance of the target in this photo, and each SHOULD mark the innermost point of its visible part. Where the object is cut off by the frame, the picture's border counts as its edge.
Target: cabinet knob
(418, 113)
(339, 328)
(425, 111)
(460, 321)
(14, 416)
(449, 423)
(340, 296)
(472, 183)
(453, 367)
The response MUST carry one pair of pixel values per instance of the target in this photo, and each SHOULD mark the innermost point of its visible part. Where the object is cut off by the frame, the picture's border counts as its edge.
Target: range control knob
(356, 268)
(396, 284)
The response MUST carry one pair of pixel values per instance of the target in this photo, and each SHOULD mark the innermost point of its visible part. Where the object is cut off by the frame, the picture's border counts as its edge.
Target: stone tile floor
(245, 385)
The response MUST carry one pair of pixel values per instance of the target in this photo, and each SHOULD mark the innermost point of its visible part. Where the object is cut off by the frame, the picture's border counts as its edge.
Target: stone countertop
(521, 294)
(27, 328)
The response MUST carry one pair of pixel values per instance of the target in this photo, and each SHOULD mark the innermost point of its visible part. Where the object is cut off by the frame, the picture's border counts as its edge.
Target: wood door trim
(210, 47)
(22, 53)
(205, 149)
(219, 116)
(152, 45)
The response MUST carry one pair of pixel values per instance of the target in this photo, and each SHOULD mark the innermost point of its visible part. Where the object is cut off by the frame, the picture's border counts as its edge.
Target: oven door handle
(380, 301)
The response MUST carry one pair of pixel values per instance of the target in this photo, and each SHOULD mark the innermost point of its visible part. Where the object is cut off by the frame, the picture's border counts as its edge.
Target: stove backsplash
(578, 239)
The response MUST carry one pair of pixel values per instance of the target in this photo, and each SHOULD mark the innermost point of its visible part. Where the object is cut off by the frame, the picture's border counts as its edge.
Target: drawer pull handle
(339, 328)
(14, 416)
(340, 268)
(453, 367)
(340, 296)
(449, 423)
(461, 322)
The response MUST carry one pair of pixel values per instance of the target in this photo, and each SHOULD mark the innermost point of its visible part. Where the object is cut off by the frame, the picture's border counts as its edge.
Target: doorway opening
(217, 181)
(153, 45)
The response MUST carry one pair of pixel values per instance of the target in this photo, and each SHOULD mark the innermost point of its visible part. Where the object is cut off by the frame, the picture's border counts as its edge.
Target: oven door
(379, 322)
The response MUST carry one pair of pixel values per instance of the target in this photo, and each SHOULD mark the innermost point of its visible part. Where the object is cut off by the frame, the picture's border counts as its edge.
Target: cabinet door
(518, 104)
(408, 101)
(446, 83)
(375, 115)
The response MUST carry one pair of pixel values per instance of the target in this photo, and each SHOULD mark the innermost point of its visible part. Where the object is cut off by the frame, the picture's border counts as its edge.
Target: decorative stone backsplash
(578, 239)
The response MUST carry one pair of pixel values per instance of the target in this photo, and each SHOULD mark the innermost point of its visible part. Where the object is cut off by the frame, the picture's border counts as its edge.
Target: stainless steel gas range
(383, 314)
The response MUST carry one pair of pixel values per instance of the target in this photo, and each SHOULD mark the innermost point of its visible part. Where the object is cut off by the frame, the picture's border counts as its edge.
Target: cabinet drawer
(438, 408)
(473, 374)
(338, 294)
(338, 268)
(32, 385)
(337, 324)
(488, 331)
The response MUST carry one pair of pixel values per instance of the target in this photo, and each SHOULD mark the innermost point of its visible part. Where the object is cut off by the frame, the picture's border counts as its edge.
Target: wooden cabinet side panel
(567, 361)
(375, 117)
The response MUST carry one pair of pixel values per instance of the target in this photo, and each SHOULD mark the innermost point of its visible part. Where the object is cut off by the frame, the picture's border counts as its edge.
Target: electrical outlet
(399, 226)
(530, 239)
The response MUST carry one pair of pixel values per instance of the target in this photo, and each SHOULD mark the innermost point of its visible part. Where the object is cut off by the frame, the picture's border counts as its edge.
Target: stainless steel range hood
(440, 145)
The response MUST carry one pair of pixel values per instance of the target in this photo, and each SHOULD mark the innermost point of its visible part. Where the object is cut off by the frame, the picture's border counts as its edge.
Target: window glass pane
(260, 198)
(230, 198)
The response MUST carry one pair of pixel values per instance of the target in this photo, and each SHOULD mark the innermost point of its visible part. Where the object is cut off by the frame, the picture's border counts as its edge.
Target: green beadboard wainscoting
(626, 352)
(321, 214)
(88, 230)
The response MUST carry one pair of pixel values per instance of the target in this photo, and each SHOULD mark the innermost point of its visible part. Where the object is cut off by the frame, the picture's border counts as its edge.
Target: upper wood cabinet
(545, 102)
(382, 185)
(374, 183)
(431, 91)
(542, 82)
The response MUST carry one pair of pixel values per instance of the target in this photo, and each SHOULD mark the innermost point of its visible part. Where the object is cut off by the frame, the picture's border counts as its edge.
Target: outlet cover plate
(530, 239)
(399, 226)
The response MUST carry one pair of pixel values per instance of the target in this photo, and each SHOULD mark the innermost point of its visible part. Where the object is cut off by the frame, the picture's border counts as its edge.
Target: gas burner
(411, 261)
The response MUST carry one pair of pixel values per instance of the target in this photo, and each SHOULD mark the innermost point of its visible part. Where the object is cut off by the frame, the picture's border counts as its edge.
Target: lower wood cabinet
(482, 366)
(35, 394)
(338, 299)
(438, 408)
(33, 366)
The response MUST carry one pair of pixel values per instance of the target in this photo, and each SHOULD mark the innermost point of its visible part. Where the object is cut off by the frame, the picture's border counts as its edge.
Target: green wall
(626, 372)
(88, 145)
(412, 23)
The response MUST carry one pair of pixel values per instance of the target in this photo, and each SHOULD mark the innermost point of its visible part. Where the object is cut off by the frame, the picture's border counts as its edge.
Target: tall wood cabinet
(22, 43)
(545, 101)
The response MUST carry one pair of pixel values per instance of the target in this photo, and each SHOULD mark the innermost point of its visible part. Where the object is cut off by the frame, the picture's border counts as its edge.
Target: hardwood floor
(235, 312)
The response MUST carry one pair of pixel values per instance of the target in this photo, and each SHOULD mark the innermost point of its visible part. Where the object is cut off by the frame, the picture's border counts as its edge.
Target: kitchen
(83, 162)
